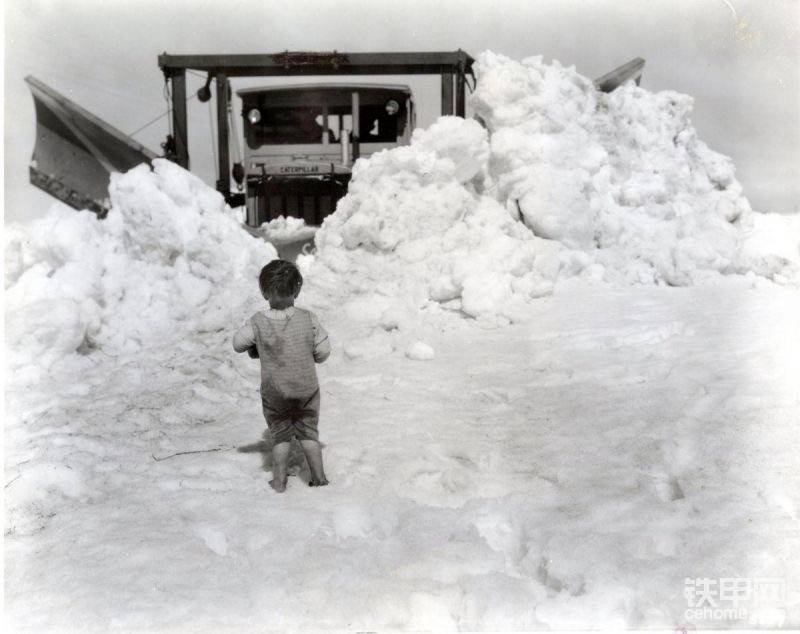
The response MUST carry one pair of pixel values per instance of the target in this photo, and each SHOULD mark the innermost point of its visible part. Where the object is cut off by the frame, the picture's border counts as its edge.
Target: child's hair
(281, 278)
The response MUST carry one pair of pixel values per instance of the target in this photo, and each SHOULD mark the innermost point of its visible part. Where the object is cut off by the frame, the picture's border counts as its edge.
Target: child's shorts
(291, 418)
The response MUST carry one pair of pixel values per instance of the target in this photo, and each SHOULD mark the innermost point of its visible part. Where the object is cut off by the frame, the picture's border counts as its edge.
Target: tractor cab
(301, 142)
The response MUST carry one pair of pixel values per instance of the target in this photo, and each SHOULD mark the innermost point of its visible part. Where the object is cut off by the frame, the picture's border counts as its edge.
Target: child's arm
(244, 340)
(322, 344)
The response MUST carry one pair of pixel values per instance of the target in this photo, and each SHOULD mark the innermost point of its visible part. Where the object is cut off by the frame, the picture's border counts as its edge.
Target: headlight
(254, 116)
(392, 107)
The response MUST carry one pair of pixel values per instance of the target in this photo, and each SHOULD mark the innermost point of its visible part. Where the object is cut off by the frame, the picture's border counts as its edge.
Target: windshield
(289, 125)
(297, 124)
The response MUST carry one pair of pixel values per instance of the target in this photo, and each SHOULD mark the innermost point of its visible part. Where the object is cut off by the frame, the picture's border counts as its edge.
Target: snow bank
(169, 260)
(560, 181)
(414, 232)
(620, 176)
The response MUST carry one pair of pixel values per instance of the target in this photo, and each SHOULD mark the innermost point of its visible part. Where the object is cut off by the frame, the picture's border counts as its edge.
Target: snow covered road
(567, 472)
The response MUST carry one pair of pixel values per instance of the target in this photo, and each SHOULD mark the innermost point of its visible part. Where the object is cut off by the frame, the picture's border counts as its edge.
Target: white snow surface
(569, 472)
(569, 469)
(286, 229)
(420, 351)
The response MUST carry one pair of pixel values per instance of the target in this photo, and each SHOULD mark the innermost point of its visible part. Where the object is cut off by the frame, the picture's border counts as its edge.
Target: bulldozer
(300, 141)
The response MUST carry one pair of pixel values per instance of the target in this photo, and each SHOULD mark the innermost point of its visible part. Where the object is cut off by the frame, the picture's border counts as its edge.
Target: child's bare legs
(313, 452)
(280, 460)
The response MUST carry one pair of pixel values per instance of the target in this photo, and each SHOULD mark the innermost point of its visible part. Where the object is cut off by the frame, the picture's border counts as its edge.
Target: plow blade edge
(612, 80)
(76, 152)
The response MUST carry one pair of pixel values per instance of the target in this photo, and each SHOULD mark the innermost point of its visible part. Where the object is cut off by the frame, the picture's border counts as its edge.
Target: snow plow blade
(632, 70)
(76, 152)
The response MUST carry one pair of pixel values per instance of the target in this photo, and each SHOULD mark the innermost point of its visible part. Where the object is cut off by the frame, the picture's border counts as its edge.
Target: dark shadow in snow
(297, 461)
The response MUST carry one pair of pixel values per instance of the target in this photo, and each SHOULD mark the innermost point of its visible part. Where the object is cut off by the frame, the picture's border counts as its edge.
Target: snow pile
(621, 176)
(415, 233)
(168, 260)
(420, 351)
(286, 229)
(563, 181)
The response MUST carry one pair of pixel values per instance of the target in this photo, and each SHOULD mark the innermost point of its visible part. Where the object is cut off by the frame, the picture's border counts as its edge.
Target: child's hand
(252, 352)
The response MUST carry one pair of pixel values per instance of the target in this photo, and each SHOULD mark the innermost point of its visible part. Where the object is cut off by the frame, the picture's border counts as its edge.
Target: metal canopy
(311, 63)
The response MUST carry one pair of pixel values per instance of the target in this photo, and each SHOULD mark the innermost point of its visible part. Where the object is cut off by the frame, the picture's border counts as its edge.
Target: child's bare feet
(313, 452)
(279, 486)
(280, 458)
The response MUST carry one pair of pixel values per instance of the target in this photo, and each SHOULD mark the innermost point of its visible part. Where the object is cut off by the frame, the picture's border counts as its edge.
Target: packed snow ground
(570, 472)
(525, 425)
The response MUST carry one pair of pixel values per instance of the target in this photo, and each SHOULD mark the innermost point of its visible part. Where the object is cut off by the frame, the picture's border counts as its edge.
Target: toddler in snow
(288, 341)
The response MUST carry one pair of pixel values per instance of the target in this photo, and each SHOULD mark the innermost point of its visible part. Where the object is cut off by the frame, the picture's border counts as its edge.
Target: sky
(740, 60)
